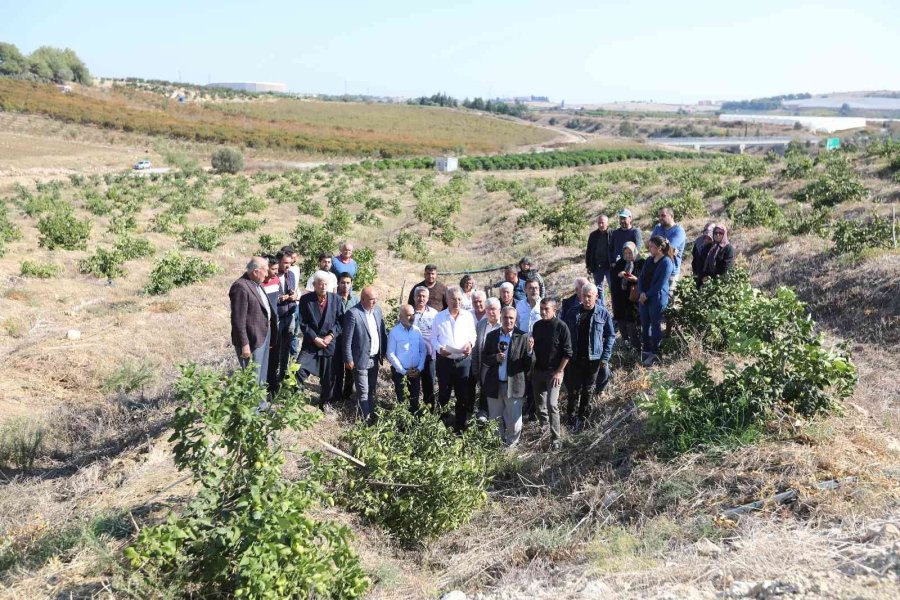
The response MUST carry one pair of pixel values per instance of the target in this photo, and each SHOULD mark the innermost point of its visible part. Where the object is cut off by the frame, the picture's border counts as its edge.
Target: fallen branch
(341, 453)
(393, 484)
(784, 497)
(614, 425)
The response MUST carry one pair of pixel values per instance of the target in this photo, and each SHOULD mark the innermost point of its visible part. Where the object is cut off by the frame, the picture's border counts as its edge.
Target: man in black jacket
(506, 359)
(321, 315)
(597, 256)
(552, 352)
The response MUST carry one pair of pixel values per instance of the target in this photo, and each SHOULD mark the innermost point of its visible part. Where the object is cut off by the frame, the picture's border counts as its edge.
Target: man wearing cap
(598, 253)
(625, 233)
(528, 272)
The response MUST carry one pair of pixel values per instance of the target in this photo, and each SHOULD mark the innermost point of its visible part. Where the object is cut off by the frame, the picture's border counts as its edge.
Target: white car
(142, 164)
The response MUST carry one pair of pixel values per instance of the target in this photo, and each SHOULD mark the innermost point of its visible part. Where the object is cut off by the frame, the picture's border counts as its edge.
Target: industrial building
(252, 86)
(817, 124)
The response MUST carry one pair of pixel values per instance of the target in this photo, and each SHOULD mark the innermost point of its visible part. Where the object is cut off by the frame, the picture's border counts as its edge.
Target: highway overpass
(739, 143)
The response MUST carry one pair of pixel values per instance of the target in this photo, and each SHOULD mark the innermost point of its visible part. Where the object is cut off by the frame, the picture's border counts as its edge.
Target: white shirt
(526, 316)
(331, 286)
(375, 339)
(265, 300)
(425, 322)
(406, 348)
(452, 333)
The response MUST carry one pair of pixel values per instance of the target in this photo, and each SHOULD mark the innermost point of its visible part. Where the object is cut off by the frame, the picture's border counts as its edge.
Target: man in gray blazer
(365, 346)
(505, 360)
(254, 321)
(489, 323)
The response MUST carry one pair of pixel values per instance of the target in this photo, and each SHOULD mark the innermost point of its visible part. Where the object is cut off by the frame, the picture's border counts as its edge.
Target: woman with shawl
(717, 257)
(624, 278)
(699, 244)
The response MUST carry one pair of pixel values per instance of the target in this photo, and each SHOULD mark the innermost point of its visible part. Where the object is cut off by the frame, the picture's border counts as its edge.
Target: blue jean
(260, 360)
(601, 275)
(651, 325)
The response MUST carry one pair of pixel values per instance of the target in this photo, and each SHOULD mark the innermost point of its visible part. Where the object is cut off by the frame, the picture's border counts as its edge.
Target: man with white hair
(484, 326)
(254, 320)
(325, 267)
(344, 262)
(507, 294)
(453, 338)
(573, 301)
(423, 317)
(478, 304)
(320, 326)
(593, 337)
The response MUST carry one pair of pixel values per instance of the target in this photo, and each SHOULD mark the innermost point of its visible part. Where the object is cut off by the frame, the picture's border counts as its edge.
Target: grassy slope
(546, 529)
(331, 128)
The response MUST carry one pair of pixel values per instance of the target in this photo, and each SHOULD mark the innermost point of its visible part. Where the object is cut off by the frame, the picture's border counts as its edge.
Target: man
(625, 233)
(270, 287)
(552, 352)
(527, 271)
(423, 317)
(287, 310)
(593, 336)
(365, 345)
(511, 276)
(484, 326)
(320, 326)
(573, 301)
(669, 229)
(254, 321)
(528, 310)
(478, 300)
(406, 353)
(506, 359)
(325, 267)
(507, 295)
(597, 255)
(343, 262)
(453, 338)
(295, 269)
(349, 299)
(437, 291)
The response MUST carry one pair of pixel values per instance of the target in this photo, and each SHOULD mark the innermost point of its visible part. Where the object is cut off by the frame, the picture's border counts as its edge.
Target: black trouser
(413, 384)
(427, 383)
(453, 378)
(528, 409)
(477, 394)
(328, 367)
(583, 376)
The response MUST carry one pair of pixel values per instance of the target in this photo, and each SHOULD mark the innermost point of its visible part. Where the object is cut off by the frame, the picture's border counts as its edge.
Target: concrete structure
(446, 164)
(739, 143)
(252, 86)
(855, 102)
(818, 124)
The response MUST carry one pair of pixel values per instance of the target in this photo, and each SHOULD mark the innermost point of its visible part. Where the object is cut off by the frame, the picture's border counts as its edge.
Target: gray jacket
(355, 337)
(481, 331)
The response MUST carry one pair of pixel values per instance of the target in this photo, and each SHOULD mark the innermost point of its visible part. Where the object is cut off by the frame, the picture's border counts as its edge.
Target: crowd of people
(503, 357)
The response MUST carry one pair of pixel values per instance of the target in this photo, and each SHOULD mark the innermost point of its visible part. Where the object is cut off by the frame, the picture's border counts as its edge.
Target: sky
(580, 51)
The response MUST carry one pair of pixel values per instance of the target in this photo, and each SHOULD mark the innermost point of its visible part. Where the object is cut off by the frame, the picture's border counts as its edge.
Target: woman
(653, 286)
(717, 257)
(466, 284)
(625, 278)
(699, 244)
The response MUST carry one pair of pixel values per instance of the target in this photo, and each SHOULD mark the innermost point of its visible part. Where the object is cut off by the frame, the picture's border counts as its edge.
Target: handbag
(633, 294)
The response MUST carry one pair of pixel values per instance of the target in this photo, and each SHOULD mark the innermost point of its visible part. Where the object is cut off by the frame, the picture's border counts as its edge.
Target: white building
(446, 164)
(252, 86)
(817, 124)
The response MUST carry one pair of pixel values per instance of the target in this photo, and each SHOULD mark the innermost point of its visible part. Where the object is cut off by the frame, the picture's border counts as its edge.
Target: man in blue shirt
(406, 353)
(343, 262)
(669, 229)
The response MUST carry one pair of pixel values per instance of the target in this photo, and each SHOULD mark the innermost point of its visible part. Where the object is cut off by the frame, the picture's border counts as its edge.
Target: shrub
(367, 269)
(797, 165)
(420, 479)
(9, 231)
(753, 207)
(408, 245)
(21, 441)
(685, 206)
(227, 160)
(109, 263)
(133, 248)
(166, 221)
(39, 270)
(436, 206)
(789, 371)
(62, 230)
(840, 183)
(269, 245)
(130, 377)
(202, 237)
(816, 221)
(564, 223)
(178, 270)
(339, 220)
(853, 236)
(234, 224)
(247, 533)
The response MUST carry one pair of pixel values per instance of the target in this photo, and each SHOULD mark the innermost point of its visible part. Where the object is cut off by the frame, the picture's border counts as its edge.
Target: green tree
(11, 60)
(227, 160)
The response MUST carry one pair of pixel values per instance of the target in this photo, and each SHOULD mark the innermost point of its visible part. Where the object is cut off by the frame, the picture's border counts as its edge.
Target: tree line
(516, 109)
(45, 64)
(769, 103)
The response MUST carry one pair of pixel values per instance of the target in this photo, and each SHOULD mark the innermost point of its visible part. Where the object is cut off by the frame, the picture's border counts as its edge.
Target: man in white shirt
(324, 265)
(528, 310)
(423, 318)
(452, 340)
(365, 345)
(406, 353)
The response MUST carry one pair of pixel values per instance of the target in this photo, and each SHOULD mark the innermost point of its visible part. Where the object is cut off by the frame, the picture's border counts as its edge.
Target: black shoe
(578, 426)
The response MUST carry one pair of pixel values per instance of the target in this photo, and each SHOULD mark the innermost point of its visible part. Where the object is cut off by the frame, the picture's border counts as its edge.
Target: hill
(610, 514)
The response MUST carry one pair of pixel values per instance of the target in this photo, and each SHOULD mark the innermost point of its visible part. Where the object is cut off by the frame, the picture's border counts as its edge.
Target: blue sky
(579, 50)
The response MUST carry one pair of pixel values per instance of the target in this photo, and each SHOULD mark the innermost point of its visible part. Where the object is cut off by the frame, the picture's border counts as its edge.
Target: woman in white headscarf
(624, 279)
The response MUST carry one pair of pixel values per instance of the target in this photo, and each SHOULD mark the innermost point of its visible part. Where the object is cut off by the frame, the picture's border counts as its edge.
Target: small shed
(446, 164)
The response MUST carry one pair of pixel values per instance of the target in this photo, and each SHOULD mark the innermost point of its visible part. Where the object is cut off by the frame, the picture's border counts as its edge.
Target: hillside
(609, 515)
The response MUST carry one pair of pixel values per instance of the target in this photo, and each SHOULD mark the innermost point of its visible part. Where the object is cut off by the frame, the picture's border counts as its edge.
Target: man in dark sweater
(437, 291)
(552, 352)
(625, 233)
(597, 255)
